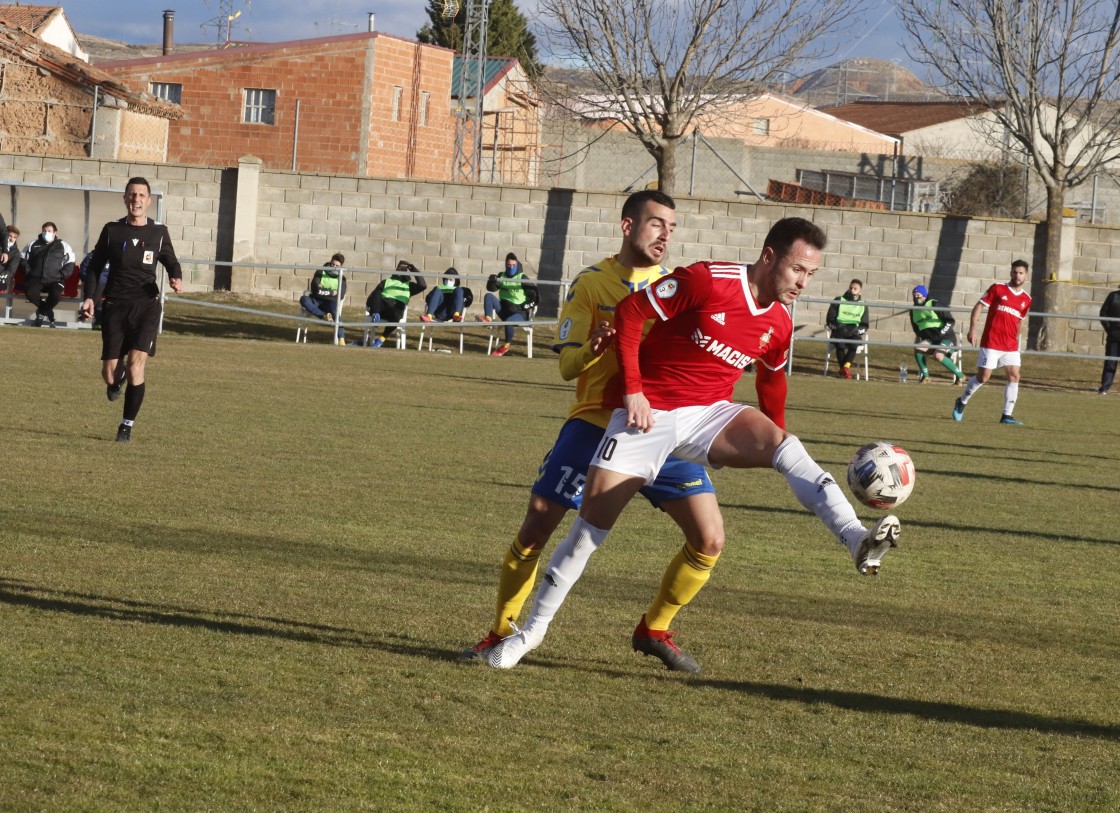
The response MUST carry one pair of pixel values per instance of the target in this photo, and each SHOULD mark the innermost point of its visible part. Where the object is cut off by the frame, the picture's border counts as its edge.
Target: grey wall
(302, 219)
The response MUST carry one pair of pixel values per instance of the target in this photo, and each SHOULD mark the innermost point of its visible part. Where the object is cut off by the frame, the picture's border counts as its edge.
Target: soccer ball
(881, 475)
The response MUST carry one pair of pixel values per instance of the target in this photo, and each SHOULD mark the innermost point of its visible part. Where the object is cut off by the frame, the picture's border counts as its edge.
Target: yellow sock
(686, 574)
(519, 571)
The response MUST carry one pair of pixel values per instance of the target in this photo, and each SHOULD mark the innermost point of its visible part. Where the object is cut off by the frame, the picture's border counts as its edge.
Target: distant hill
(861, 79)
(106, 50)
(853, 80)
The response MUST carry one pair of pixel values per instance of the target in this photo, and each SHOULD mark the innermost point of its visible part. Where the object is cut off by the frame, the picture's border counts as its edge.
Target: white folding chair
(861, 349)
(373, 328)
(467, 302)
(302, 325)
(527, 326)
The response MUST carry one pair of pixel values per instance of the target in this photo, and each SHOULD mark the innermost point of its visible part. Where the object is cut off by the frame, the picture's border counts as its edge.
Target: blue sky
(141, 21)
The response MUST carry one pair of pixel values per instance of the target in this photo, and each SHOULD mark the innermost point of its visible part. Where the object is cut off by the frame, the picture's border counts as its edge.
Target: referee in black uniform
(130, 316)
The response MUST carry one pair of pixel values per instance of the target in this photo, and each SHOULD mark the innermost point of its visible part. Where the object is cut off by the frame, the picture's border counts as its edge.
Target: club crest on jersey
(765, 338)
(735, 358)
(149, 257)
(666, 289)
(721, 318)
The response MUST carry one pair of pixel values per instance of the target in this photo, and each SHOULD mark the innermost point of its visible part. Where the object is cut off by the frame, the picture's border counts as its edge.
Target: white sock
(970, 389)
(565, 566)
(1010, 396)
(817, 490)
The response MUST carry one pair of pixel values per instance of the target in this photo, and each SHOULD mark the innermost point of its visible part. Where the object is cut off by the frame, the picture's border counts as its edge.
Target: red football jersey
(708, 328)
(1006, 310)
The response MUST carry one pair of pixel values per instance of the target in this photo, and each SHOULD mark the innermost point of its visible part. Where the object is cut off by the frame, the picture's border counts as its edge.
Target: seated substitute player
(326, 293)
(933, 330)
(712, 320)
(847, 320)
(131, 309)
(681, 489)
(1008, 305)
(389, 300)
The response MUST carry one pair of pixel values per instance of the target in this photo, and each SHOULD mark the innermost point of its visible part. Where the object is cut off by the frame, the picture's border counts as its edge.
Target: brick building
(360, 104)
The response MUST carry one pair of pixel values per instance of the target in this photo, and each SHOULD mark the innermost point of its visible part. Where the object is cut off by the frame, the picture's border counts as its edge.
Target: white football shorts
(687, 432)
(994, 359)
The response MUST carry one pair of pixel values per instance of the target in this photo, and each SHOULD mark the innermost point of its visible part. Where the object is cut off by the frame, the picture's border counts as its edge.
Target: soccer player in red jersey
(1007, 306)
(711, 321)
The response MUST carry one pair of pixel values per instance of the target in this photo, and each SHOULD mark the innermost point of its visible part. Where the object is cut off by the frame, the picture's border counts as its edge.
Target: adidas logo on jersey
(719, 317)
(735, 358)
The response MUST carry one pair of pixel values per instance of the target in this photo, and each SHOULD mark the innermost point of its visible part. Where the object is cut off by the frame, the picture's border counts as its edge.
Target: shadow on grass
(23, 594)
(967, 449)
(926, 709)
(970, 527)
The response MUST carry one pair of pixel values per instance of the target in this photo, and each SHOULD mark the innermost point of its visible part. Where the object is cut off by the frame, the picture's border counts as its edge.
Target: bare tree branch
(658, 65)
(1051, 69)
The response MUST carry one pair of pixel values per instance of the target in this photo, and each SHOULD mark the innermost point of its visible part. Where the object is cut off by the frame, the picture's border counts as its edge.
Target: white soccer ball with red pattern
(881, 475)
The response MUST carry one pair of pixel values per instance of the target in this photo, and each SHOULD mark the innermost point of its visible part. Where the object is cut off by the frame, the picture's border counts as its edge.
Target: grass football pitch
(257, 604)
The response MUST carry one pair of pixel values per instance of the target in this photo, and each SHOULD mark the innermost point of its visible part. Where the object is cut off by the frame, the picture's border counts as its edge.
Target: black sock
(133, 398)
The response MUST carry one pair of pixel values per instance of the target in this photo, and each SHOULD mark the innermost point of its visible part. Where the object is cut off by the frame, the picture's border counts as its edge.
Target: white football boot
(869, 551)
(513, 648)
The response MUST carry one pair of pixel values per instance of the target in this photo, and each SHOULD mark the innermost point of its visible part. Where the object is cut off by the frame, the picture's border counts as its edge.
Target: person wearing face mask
(9, 257)
(47, 262)
(448, 299)
(510, 297)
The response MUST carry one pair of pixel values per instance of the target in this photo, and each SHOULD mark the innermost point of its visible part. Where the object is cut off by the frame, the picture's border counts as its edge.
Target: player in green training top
(933, 332)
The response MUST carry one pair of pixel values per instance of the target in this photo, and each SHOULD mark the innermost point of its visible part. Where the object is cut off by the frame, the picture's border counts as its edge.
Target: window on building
(425, 103)
(398, 97)
(168, 91)
(762, 127)
(260, 106)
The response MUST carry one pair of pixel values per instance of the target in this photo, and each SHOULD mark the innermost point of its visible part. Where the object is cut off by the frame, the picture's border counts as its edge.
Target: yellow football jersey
(592, 298)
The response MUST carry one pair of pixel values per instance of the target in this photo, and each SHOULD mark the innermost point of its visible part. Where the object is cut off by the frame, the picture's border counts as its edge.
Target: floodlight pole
(469, 92)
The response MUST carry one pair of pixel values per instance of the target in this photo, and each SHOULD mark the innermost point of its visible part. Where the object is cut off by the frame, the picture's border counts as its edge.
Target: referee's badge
(149, 257)
(666, 289)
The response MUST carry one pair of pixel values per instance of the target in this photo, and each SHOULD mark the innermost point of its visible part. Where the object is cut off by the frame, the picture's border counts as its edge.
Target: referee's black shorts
(129, 324)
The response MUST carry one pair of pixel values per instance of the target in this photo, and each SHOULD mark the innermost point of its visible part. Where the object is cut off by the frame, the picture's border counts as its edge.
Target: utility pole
(223, 21)
(472, 84)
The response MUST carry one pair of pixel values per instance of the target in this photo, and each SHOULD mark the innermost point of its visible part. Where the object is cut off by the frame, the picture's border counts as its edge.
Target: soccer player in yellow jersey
(682, 490)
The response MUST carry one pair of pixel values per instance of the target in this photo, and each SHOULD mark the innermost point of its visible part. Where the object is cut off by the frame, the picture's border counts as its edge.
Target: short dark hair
(138, 181)
(789, 230)
(49, 223)
(338, 256)
(636, 202)
(858, 282)
(1020, 264)
(13, 229)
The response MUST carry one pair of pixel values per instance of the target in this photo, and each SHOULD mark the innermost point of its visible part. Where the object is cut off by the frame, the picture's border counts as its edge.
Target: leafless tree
(1055, 67)
(658, 66)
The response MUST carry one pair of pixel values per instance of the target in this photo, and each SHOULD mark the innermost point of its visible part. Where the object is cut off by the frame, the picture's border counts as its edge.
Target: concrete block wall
(194, 201)
(302, 219)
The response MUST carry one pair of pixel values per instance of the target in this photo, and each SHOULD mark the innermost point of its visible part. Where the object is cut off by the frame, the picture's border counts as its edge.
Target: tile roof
(30, 17)
(19, 43)
(899, 118)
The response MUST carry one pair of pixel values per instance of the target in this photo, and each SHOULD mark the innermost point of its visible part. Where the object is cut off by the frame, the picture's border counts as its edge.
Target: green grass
(257, 604)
